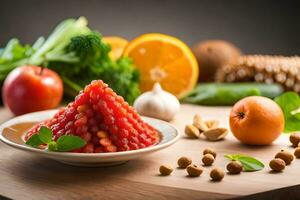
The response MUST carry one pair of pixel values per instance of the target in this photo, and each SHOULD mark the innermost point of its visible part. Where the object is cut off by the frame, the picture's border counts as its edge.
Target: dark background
(258, 26)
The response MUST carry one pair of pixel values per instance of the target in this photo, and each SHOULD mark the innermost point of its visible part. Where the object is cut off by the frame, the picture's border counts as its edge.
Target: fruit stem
(41, 72)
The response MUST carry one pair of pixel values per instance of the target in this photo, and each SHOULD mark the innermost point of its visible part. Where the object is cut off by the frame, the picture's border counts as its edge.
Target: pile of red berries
(103, 119)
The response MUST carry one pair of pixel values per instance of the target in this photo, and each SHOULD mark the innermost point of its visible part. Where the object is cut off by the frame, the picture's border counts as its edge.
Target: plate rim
(98, 155)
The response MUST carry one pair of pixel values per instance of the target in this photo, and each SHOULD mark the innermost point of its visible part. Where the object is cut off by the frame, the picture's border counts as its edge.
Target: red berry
(98, 108)
(89, 148)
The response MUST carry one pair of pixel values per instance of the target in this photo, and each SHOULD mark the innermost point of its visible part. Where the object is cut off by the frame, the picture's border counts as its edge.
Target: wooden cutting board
(24, 176)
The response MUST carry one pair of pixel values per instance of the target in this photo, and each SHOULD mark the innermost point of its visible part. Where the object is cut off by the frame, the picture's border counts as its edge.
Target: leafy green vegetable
(63, 143)
(69, 142)
(13, 55)
(79, 55)
(230, 93)
(249, 163)
(94, 63)
(290, 104)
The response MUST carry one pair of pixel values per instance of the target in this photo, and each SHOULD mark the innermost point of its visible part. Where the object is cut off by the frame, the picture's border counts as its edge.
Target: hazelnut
(183, 162)
(191, 131)
(165, 170)
(297, 152)
(194, 170)
(277, 164)
(295, 139)
(217, 174)
(210, 151)
(234, 167)
(286, 156)
(208, 159)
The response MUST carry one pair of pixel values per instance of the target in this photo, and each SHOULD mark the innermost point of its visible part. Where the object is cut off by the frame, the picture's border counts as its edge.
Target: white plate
(11, 135)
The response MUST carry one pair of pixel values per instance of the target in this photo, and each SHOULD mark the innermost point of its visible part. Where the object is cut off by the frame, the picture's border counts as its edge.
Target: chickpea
(217, 174)
(210, 151)
(297, 152)
(277, 164)
(208, 159)
(183, 162)
(165, 170)
(295, 139)
(194, 170)
(234, 167)
(286, 156)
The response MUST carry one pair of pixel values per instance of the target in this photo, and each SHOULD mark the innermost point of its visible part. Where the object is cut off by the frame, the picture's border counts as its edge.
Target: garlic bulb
(157, 104)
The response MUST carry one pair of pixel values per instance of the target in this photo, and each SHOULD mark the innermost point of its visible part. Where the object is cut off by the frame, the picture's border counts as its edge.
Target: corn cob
(263, 68)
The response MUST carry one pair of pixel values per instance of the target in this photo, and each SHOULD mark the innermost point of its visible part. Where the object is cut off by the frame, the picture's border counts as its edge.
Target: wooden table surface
(25, 176)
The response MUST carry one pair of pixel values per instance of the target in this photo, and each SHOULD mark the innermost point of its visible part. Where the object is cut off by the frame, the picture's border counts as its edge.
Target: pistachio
(165, 170)
(199, 123)
(212, 124)
(215, 134)
(191, 131)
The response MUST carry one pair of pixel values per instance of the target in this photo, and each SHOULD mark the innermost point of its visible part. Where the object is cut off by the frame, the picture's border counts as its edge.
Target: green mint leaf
(45, 135)
(34, 141)
(230, 157)
(69, 143)
(250, 164)
(52, 146)
(289, 102)
(233, 156)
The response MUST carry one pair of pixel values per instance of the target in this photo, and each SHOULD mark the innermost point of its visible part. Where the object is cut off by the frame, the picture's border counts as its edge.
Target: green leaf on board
(249, 163)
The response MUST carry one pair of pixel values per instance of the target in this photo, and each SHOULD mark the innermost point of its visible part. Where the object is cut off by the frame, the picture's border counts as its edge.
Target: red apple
(31, 88)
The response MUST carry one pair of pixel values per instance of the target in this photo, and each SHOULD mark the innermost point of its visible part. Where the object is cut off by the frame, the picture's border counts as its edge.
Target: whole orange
(256, 120)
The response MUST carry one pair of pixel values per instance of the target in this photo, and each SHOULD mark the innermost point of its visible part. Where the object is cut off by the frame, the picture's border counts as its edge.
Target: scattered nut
(165, 170)
(194, 170)
(191, 131)
(297, 152)
(295, 139)
(215, 134)
(212, 124)
(277, 164)
(199, 123)
(234, 167)
(183, 162)
(286, 156)
(217, 174)
(210, 151)
(208, 159)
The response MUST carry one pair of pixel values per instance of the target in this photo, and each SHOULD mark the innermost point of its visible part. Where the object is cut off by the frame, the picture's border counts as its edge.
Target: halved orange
(117, 46)
(164, 59)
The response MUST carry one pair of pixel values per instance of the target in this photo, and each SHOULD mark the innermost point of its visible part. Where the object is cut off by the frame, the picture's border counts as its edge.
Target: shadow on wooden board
(288, 193)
